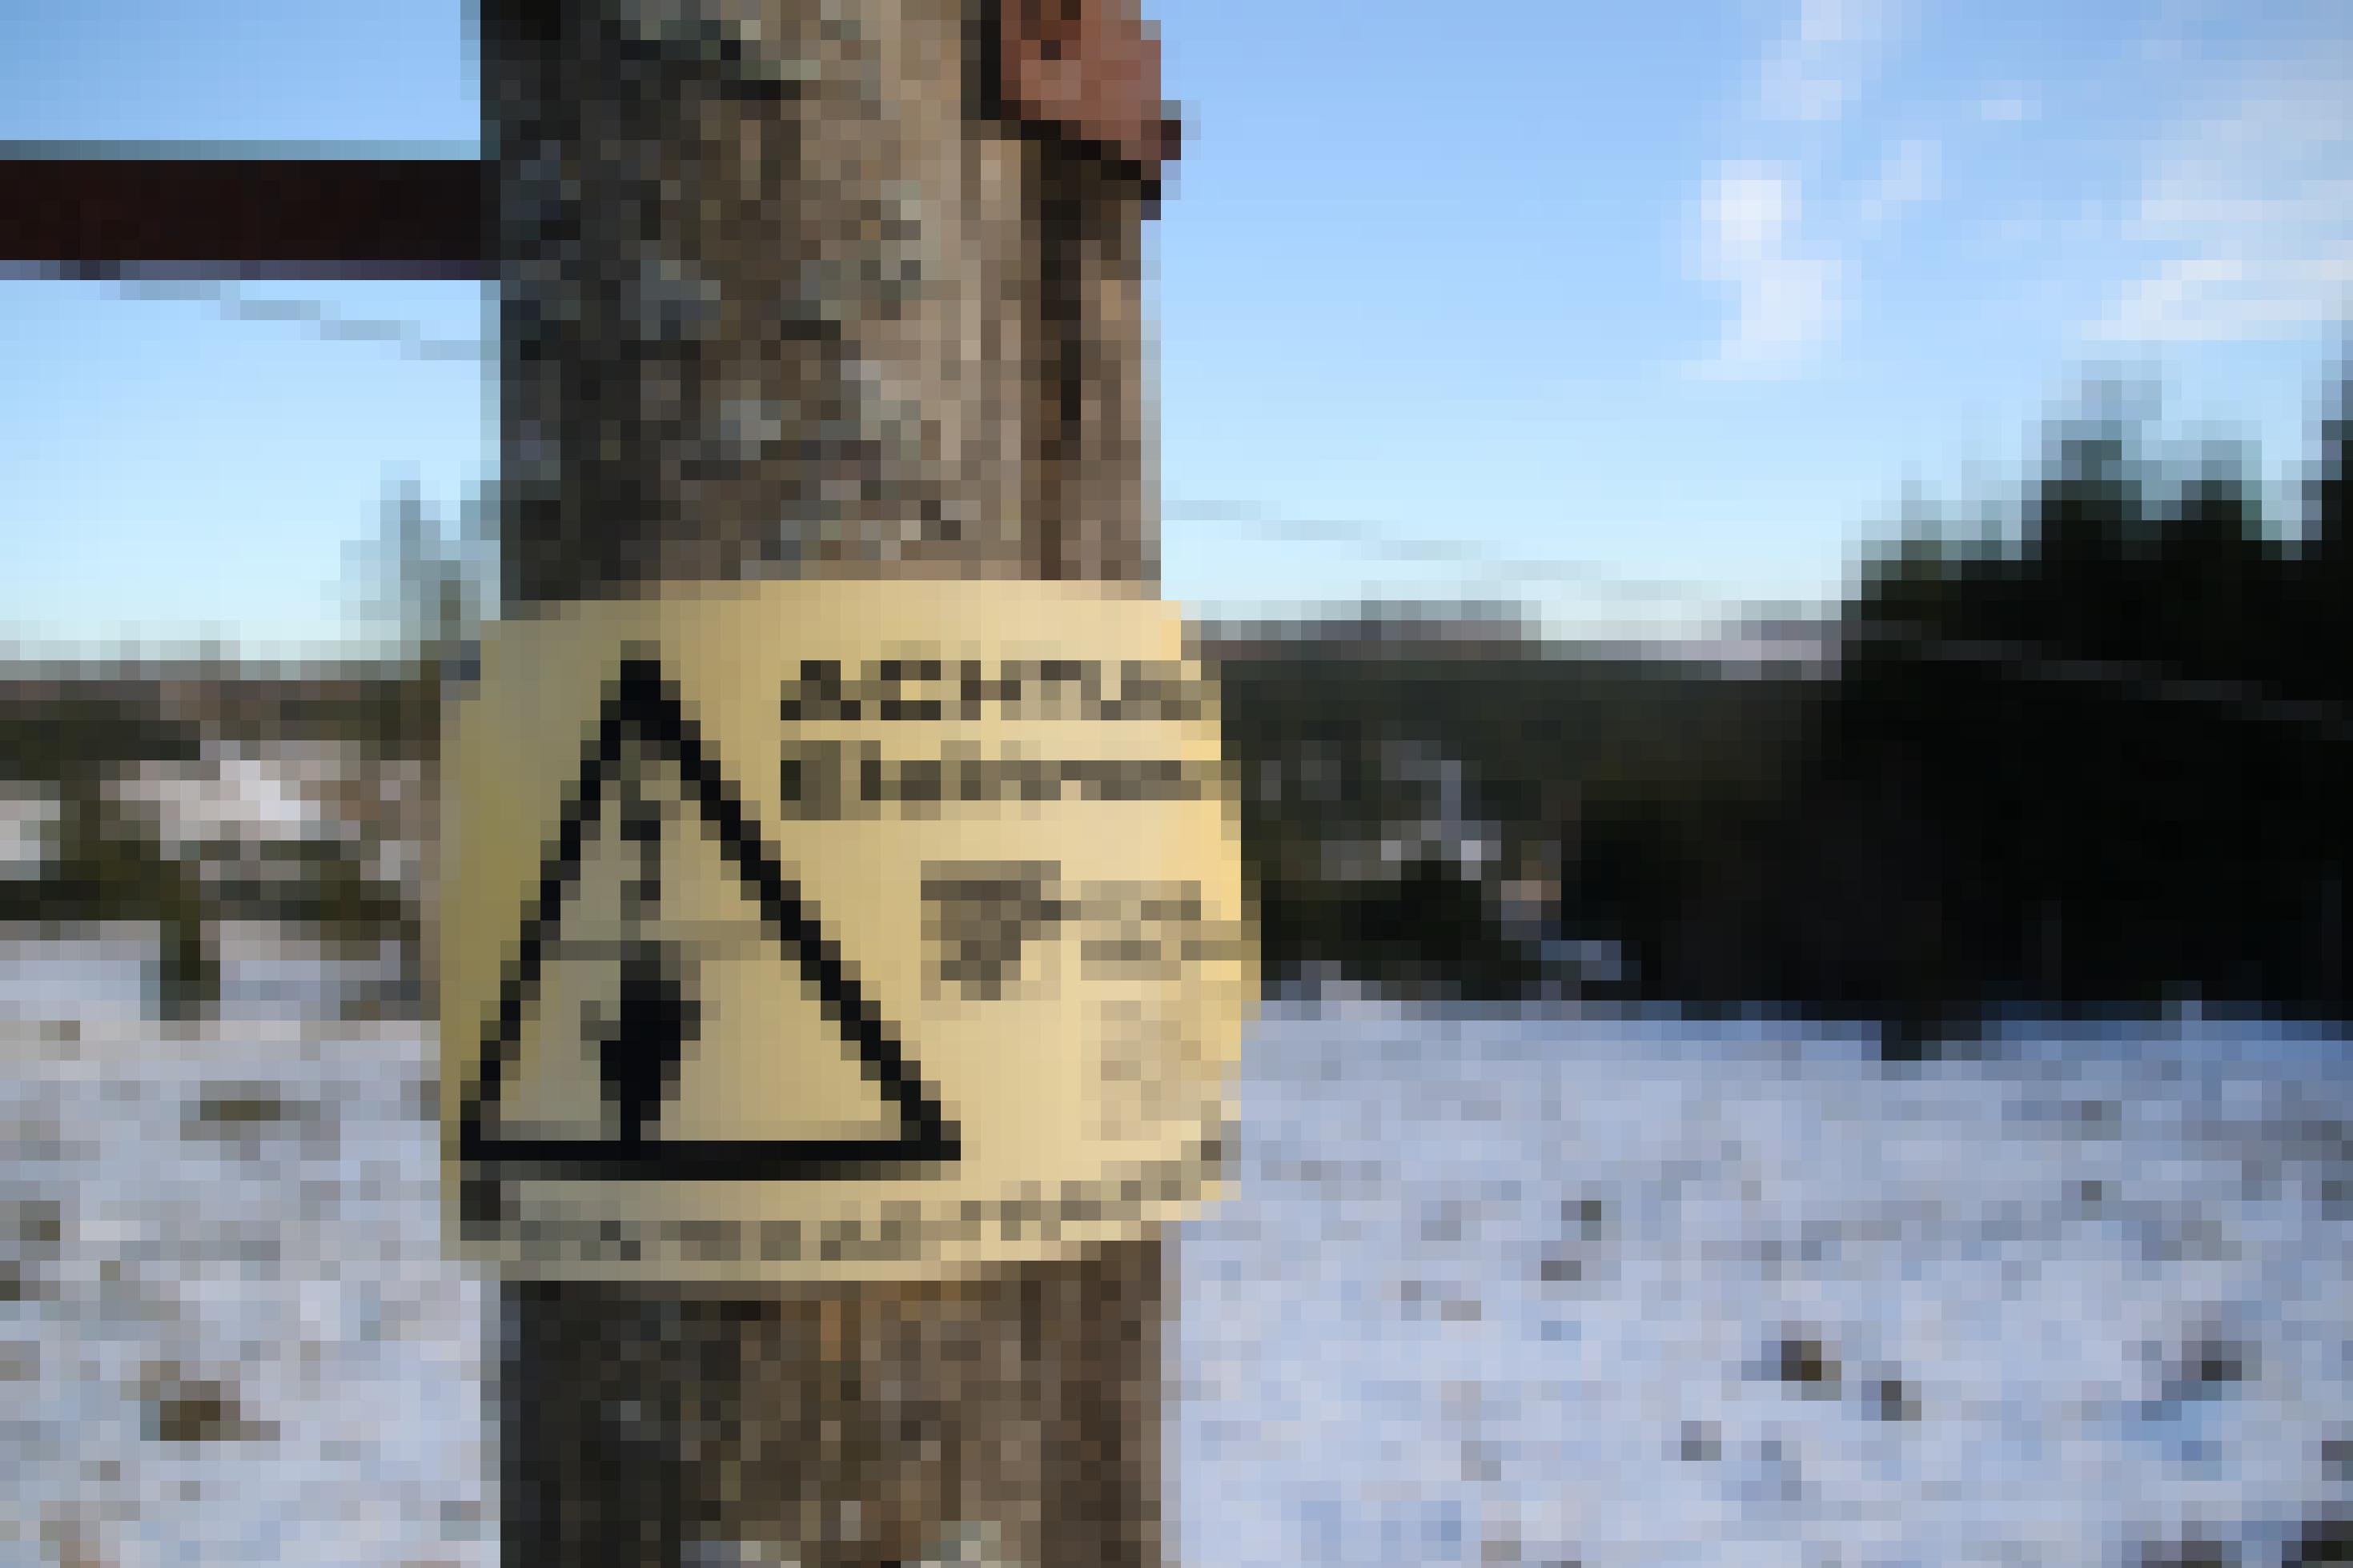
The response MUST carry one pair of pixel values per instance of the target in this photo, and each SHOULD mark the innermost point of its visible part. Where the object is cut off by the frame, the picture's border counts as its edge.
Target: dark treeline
(75, 735)
(2105, 763)
(1395, 791)
(2096, 762)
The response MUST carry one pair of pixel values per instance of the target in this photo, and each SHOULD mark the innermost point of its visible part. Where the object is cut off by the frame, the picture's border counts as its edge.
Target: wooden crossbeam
(243, 217)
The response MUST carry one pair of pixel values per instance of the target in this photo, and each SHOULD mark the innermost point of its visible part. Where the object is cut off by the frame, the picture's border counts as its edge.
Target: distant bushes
(2112, 756)
(78, 738)
(2105, 760)
(1435, 822)
(2102, 762)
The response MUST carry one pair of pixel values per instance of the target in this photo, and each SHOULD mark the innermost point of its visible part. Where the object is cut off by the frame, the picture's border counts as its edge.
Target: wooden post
(785, 291)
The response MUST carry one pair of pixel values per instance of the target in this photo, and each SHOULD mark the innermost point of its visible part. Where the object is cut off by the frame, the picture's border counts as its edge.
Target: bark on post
(785, 291)
(787, 295)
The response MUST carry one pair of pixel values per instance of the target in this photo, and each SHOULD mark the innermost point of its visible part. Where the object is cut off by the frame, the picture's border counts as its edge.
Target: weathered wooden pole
(825, 287)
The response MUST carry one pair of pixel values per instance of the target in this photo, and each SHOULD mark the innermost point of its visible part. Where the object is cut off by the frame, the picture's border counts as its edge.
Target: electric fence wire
(1595, 578)
(321, 320)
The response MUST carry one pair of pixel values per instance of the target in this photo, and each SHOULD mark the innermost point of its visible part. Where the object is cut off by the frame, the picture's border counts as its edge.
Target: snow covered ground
(1532, 1287)
(229, 1336)
(1497, 1288)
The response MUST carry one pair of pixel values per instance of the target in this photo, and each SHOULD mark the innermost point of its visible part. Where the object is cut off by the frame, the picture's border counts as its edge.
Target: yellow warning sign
(823, 930)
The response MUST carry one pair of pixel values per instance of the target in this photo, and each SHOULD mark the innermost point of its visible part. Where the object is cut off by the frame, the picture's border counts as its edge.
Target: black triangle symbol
(641, 702)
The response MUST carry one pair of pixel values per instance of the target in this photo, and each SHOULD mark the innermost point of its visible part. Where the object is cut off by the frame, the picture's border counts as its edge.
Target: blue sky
(1683, 293)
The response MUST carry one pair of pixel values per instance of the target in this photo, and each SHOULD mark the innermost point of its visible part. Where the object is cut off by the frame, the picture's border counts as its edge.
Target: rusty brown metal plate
(1089, 69)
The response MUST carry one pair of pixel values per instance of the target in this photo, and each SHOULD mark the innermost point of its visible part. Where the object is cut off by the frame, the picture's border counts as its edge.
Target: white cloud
(1785, 303)
(2250, 210)
(2232, 300)
(1788, 282)
(1907, 177)
(1744, 211)
(2318, 203)
(1816, 69)
(2011, 106)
